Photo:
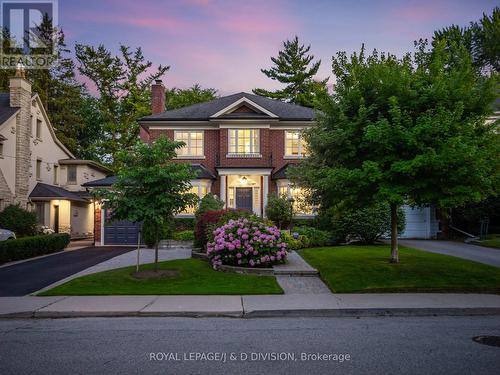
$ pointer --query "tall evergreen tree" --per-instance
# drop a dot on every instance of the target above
(295, 68)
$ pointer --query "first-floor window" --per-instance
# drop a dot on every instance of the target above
(244, 141)
(301, 205)
(40, 212)
(193, 143)
(200, 191)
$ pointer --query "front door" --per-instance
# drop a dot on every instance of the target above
(56, 219)
(244, 198)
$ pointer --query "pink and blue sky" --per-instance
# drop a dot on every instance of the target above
(223, 43)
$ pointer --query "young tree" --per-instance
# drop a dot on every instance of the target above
(150, 187)
(178, 98)
(408, 130)
(293, 69)
(124, 87)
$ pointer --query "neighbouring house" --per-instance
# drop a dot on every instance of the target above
(37, 171)
(241, 145)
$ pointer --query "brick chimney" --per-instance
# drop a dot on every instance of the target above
(20, 97)
(157, 97)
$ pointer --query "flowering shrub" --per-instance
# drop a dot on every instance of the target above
(246, 243)
(46, 230)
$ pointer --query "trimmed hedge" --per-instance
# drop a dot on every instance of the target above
(28, 247)
(185, 235)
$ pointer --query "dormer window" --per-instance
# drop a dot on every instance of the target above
(71, 174)
(193, 143)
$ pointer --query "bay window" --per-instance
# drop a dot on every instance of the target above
(295, 145)
(193, 143)
(301, 206)
(244, 142)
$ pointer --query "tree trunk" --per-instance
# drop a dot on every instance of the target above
(394, 234)
(156, 247)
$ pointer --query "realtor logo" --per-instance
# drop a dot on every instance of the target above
(28, 36)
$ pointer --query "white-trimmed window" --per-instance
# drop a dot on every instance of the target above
(244, 142)
(300, 204)
(200, 189)
(193, 141)
(295, 145)
(71, 176)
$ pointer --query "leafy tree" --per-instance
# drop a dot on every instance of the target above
(479, 38)
(209, 203)
(18, 220)
(278, 210)
(408, 130)
(178, 98)
(150, 187)
(56, 86)
(293, 68)
(124, 87)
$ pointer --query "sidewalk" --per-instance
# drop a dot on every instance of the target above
(334, 305)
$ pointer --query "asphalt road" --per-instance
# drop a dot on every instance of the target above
(413, 345)
(476, 253)
(28, 277)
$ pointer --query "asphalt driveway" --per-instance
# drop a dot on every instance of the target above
(476, 253)
(28, 277)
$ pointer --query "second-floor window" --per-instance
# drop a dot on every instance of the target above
(38, 171)
(56, 174)
(193, 141)
(295, 145)
(39, 128)
(244, 141)
(71, 174)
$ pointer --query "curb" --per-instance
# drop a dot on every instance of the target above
(305, 313)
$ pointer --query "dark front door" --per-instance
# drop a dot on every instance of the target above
(56, 219)
(244, 198)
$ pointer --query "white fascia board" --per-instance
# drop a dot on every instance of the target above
(236, 125)
(246, 171)
(245, 100)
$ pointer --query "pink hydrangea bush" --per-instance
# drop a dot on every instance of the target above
(246, 243)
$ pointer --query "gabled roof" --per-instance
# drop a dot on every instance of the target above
(205, 111)
(280, 174)
(6, 111)
(42, 190)
(202, 173)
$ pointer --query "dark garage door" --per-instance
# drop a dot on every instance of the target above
(120, 232)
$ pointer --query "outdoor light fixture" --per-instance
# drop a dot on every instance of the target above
(244, 180)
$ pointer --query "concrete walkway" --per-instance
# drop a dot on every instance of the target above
(126, 260)
(411, 304)
(486, 255)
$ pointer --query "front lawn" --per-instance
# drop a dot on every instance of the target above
(347, 269)
(493, 240)
(193, 277)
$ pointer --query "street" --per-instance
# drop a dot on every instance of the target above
(388, 345)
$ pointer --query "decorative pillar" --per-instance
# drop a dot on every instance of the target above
(223, 195)
(265, 192)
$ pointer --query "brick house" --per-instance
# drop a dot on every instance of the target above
(245, 141)
(241, 146)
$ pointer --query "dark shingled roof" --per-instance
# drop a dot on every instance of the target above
(49, 191)
(203, 111)
(6, 111)
(280, 174)
(203, 173)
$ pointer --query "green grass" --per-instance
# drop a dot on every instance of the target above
(195, 277)
(493, 240)
(347, 269)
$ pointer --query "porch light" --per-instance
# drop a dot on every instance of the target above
(244, 180)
